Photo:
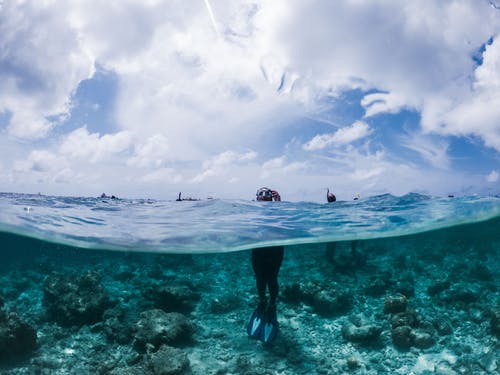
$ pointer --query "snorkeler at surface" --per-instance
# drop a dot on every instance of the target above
(266, 263)
(331, 247)
(330, 197)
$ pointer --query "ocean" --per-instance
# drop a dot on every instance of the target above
(383, 284)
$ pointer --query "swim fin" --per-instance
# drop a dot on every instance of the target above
(256, 323)
(270, 326)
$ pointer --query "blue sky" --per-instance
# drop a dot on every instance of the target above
(218, 98)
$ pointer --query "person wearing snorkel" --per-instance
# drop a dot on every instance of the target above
(266, 263)
(331, 247)
(330, 197)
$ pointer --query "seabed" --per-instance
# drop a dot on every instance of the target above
(419, 304)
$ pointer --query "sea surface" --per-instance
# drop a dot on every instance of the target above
(209, 226)
(383, 284)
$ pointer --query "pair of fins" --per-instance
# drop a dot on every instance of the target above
(263, 324)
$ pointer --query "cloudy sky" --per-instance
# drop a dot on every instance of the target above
(217, 97)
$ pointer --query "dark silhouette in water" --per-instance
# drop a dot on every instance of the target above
(330, 197)
(179, 199)
(331, 247)
(103, 195)
(266, 264)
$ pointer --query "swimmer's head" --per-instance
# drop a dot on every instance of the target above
(330, 197)
(264, 194)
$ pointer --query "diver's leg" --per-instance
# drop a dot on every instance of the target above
(271, 325)
(258, 265)
(275, 258)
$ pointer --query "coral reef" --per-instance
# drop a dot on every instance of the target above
(402, 305)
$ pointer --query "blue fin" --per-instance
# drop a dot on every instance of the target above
(270, 327)
(256, 323)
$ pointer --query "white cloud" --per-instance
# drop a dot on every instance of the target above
(82, 145)
(185, 95)
(41, 161)
(165, 175)
(492, 177)
(475, 111)
(279, 167)
(343, 136)
(28, 124)
(417, 54)
(383, 103)
(82, 158)
(42, 167)
(488, 74)
(367, 174)
(432, 151)
(154, 152)
(171, 76)
(275, 163)
(41, 64)
(222, 164)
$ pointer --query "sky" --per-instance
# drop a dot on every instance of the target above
(216, 98)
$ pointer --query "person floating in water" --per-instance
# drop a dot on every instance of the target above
(266, 263)
(180, 199)
(330, 197)
(331, 247)
(103, 195)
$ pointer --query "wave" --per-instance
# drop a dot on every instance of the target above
(211, 226)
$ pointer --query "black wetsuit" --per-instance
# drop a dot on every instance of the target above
(266, 263)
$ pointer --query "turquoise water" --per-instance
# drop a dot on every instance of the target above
(381, 285)
(220, 225)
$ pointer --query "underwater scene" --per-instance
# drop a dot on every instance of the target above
(381, 285)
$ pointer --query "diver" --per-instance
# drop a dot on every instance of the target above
(266, 263)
